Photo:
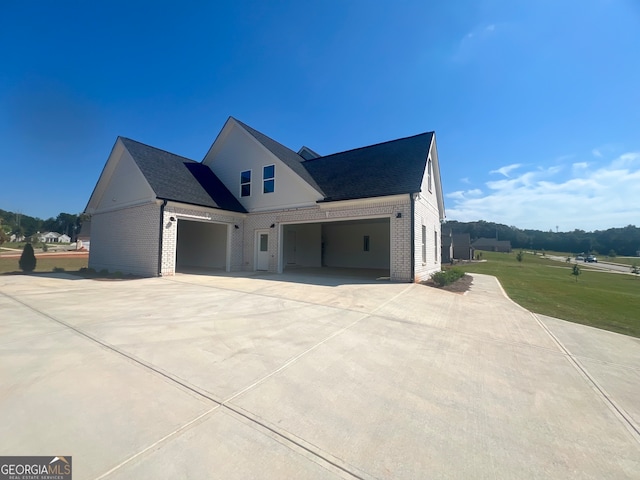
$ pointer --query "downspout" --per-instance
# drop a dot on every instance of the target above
(413, 239)
(164, 203)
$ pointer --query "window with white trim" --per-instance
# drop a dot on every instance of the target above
(245, 183)
(269, 179)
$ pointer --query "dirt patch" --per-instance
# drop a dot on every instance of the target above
(461, 285)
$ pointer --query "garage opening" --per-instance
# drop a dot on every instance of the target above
(201, 246)
(351, 246)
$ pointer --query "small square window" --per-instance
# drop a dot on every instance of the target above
(269, 186)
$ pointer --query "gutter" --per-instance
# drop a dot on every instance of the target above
(413, 239)
(164, 204)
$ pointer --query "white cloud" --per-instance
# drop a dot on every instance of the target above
(596, 153)
(603, 196)
(626, 160)
(506, 169)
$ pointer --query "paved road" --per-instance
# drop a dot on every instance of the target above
(600, 265)
(289, 376)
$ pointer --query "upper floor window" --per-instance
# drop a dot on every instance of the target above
(429, 168)
(269, 179)
(245, 183)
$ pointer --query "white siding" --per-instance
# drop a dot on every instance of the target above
(126, 186)
(236, 151)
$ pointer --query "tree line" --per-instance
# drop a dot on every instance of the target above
(25, 225)
(617, 241)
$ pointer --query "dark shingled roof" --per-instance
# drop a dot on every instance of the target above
(180, 179)
(288, 156)
(389, 168)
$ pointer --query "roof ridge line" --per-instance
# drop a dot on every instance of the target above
(369, 146)
(156, 148)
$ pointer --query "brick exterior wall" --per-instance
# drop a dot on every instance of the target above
(126, 240)
(426, 214)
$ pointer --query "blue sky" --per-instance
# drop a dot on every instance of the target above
(535, 105)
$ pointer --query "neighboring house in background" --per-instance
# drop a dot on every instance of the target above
(456, 246)
(447, 246)
(254, 204)
(16, 238)
(53, 237)
(84, 236)
(462, 249)
(492, 245)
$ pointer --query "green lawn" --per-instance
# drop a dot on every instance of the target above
(604, 300)
(44, 264)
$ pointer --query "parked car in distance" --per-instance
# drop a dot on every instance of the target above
(579, 257)
(591, 259)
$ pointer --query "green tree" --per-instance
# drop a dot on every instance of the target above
(612, 254)
(27, 260)
(576, 271)
(520, 256)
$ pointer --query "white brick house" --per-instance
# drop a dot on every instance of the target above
(253, 204)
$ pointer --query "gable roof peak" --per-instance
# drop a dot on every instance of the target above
(287, 156)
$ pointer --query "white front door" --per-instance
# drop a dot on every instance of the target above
(262, 250)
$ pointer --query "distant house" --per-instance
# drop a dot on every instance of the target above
(49, 237)
(447, 247)
(492, 245)
(53, 237)
(84, 236)
(253, 204)
(456, 246)
(462, 249)
(16, 238)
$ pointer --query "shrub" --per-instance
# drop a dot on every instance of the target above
(447, 277)
(27, 260)
(58, 270)
(104, 272)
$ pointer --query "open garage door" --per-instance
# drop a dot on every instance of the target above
(351, 244)
(201, 246)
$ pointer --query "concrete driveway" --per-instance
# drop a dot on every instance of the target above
(277, 377)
